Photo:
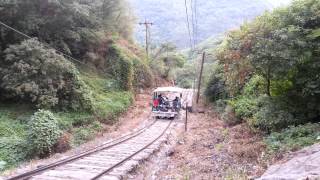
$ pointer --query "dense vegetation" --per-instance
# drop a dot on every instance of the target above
(29, 73)
(167, 61)
(75, 98)
(268, 75)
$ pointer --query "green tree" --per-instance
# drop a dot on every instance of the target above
(34, 74)
(282, 47)
(166, 60)
(276, 49)
(74, 26)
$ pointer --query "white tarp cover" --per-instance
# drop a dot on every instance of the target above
(169, 89)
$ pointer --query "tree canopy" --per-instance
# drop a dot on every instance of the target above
(73, 26)
(282, 47)
(96, 33)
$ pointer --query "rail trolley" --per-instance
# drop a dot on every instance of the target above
(166, 102)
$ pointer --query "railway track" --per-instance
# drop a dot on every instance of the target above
(102, 162)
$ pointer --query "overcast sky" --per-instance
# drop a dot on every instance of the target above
(280, 2)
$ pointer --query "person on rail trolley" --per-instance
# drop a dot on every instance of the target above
(176, 103)
(156, 103)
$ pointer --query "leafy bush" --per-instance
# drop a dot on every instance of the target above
(185, 76)
(108, 103)
(34, 74)
(158, 67)
(255, 87)
(220, 105)
(112, 104)
(229, 116)
(11, 127)
(216, 88)
(43, 132)
(264, 113)
(68, 120)
(14, 147)
(13, 150)
(273, 115)
(143, 76)
(165, 65)
(293, 138)
(85, 133)
(96, 126)
(245, 107)
(82, 135)
(120, 67)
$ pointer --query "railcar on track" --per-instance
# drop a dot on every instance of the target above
(166, 102)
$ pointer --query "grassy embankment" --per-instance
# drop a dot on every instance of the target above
(81, 126)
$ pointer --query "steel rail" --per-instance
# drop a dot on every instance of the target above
(132, 155)
(83, 154)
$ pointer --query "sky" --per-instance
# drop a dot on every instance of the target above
(279, 2)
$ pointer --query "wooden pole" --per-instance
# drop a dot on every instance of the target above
(186, 121)
(200, 76)
(146, 24)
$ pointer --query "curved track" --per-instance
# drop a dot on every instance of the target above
(97, 163)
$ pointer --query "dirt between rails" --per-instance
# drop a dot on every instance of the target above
(136, 117)
(209, 150)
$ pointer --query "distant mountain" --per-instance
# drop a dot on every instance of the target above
(214, 17)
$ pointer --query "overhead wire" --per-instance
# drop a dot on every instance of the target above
(195, 38)
(188, 23)
(196, 20)
(44, 44)
(190, 38)
(149, 41)
(193, 23)
(48, 46)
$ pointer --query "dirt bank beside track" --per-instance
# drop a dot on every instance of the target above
(209, 150)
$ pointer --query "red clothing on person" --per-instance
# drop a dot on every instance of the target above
(156, 103)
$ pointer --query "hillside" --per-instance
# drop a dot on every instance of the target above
(214, 17)
(267, 78)
(73, 72)
(73, 78)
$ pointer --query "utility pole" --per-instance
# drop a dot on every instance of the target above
(147, 26)
(200, 76)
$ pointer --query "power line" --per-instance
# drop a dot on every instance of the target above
(29, 37)
(189, 31)
(196, 20)
(150, 40)
(17, 31)
(193, 24)
(46, 45)
(188, 23)
(194, 36)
